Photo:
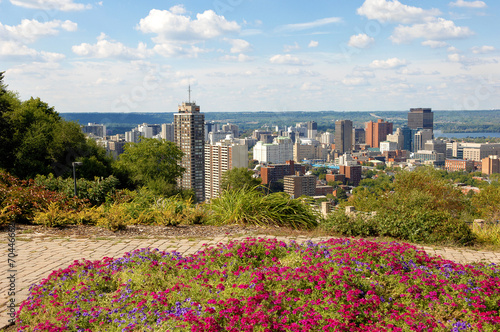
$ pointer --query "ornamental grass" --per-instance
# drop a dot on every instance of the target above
(268, 285)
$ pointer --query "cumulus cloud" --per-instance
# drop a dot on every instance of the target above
(172, 26)
(28, 31)
(239, 58)
(313, 43)
(483, 49)
(105, 48)
(434, 43)
(16, 51)
(437, 29)
(289, 48)
(361, 41)
(239, 45)
(468, 4)
(388, 64)
(355, 81)
(309, 25)
(395, 12)
(468, 61)
(308, 86)
(174, 31)
(287, 59)
(62, 5)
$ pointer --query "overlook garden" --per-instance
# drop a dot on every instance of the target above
(365, 278)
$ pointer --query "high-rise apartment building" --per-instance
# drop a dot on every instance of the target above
(377, 132)
(421, 118)
(312, 129)
(343, 135)
(167, 131)
(189, 135)
(300, 185)
(490, 165)
(98, 130)
(220, 158)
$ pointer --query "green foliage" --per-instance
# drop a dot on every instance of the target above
(95, 191)
(54, 216)
(152, 163)
(20, 200)
(237, 178)
(362, 225)
(243, 206)
(487, 203)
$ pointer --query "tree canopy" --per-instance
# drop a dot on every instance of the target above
(238, 178)
(152, 163)
(35, 139)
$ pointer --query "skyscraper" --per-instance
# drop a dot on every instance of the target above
(421, 118)
(343, 135)
(312, 129)
(189, 135)
(377, 132)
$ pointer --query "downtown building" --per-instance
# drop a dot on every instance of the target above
(421, 118)
(343, 136)
(189, 136)
(220, 158)
(376, 132)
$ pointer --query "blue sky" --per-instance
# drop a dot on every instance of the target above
(253, 55)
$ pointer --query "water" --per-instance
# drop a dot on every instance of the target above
(438, 133)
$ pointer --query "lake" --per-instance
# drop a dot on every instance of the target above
(438, 133)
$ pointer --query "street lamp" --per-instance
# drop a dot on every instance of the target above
(75, 163)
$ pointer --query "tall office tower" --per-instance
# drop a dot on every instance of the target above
(407, 138)
(312, 129)
(220, 158)
(232, 128)
(421, 118)
(189, 135)
(167, 132)
(377, 132)
(419, 139)
(358, 136)
(343, 135)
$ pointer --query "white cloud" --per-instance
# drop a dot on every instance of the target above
(63, 5)
(31, 30)
(388, 64)
(239, 45)
(177, 9)
(361, 41)
(483, 49)
(309, 25)
(355, 81)
(105, 48)
(289, 48)
(453, 49)
(170, 26)
(434, 43)
(174, 30)
(287, 59)
(437, 29)
(15, 51)
(468, 4)
(308, 86)
(467, 61)
(313, 43)
(395, 12)
(239, 58)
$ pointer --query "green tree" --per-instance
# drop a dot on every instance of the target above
(152, 163)
(239, 177)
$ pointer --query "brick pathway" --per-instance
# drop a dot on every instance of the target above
(38, 257)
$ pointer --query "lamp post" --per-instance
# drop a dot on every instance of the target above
(76, 163)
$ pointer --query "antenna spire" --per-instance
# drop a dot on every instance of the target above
(189, 91)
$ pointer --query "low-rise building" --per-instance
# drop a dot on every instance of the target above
(300, 185)
(458, 165)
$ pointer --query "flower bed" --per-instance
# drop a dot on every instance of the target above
(267, 285)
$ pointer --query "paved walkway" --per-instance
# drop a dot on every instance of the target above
(39, 257)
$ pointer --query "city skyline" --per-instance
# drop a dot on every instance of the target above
(251, 55)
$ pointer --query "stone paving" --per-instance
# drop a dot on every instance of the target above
(38, 257)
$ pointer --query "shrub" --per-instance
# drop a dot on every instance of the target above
(20, 200)
(245, 206)
(340, 223)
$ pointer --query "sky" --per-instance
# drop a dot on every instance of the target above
(252, 55)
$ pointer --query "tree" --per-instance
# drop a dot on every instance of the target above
(152, 163)
(239, 177)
